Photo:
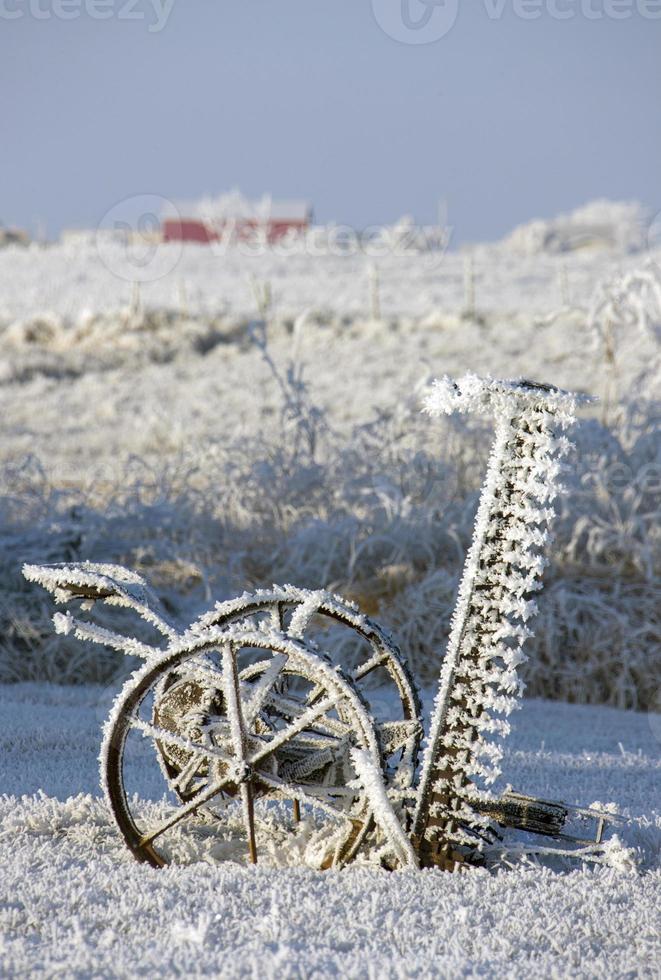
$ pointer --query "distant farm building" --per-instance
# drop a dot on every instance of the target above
(232, 217)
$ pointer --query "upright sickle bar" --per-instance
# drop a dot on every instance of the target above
(503, 566)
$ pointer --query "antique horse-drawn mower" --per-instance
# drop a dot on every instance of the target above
(284, 727)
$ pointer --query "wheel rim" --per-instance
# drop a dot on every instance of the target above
(279, 766)
(362, 649)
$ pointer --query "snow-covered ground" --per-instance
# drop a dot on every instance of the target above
(74, 903)
(202, 281)
(80, 362)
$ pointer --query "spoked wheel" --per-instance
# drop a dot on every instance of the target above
(356, 644)
(239, 750)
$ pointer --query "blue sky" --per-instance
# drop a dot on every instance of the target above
(504, 118)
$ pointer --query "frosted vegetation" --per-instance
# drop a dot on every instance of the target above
(245, 421)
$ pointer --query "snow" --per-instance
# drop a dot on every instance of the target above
(73, 901)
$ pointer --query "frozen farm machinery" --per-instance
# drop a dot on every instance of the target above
(284, 727)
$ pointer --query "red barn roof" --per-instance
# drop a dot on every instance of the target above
(210, 218)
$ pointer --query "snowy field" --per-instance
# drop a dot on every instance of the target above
(247, 420)
(216, 440)
(74, 903)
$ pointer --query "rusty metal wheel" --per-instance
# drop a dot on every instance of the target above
(243, 754)
(355, 643)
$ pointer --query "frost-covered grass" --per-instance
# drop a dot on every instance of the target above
(175, 441)
(73, 901)
(212, 280)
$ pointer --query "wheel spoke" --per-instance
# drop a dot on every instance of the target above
(260, 692)
(163, 735)
(277, 616)
(378, 660)
(199, 668)
(335, 728)
(314, 694)
(203, 796)
(185, 776)
(238, 732)
(248, 803)
(301, 723)
(286, 705)
(327, 795)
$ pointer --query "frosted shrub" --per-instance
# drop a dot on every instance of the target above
(383, 515)
(624, 311)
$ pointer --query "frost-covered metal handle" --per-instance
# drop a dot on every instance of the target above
(102, 582)
(472, 393)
